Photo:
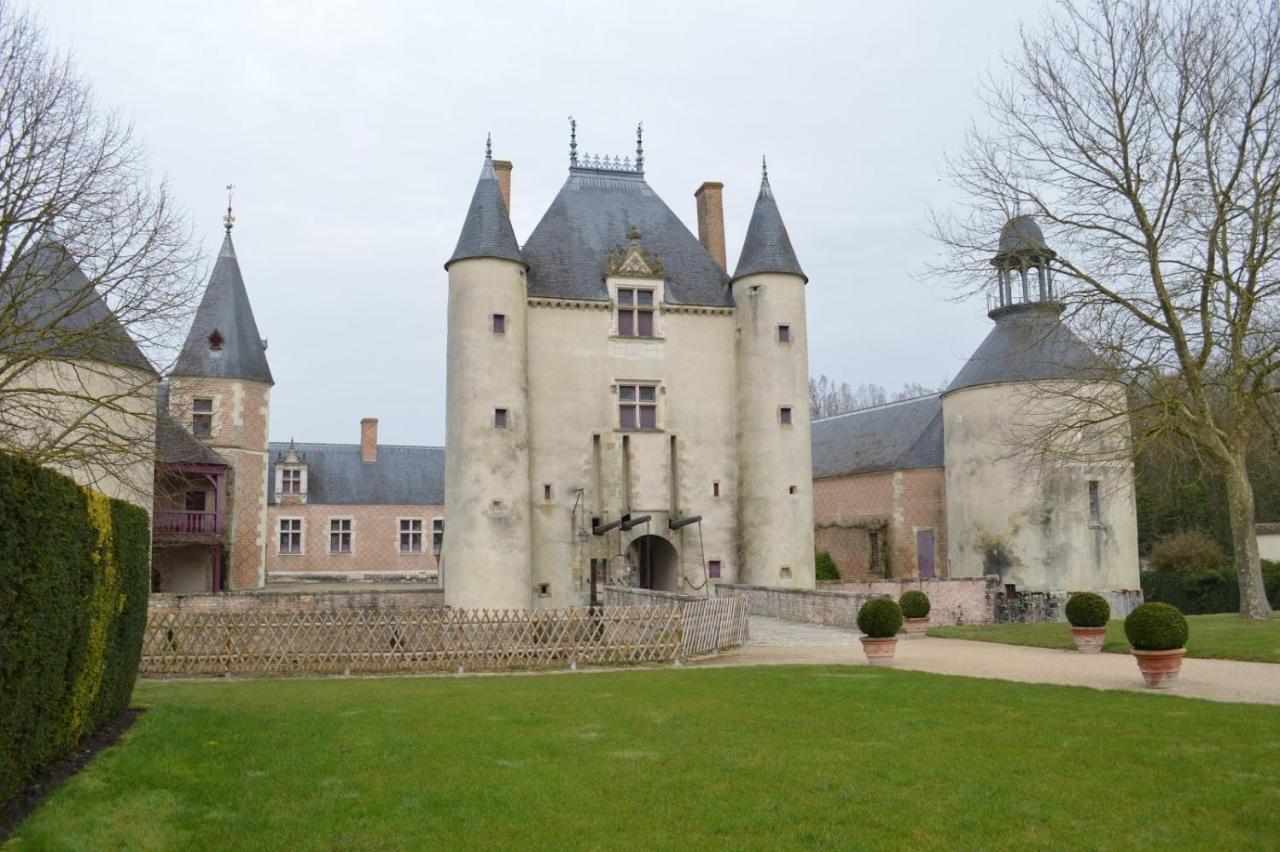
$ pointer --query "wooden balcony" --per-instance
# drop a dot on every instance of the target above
(180, 525)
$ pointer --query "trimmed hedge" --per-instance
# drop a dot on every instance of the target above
(825, 567)
(1156, 627)
(1085, 609)
(915, 604)
(74, 579)
(1201, 592)
(880, 618)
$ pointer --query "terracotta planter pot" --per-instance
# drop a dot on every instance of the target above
(1089, 639)
(916, 627)
(1160, 668)
(879, 651)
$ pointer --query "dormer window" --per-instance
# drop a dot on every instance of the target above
(291, 480)
(215, 341)
(291, 476)
(635, 312)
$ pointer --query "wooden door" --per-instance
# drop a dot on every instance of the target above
(924, 553)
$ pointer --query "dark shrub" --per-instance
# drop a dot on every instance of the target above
(1186, 551)
(824, 567)
(915, 604)
(74, 575)
(1206, 591)
(1088, 610)
(1156, 627)
(880, 618)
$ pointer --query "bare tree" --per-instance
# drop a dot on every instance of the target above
(1144, 136)
(95, 261)
(828, 398)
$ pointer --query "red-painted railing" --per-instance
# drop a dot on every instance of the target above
(171, 522)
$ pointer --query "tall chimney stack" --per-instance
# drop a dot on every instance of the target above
(369, 439)
(502, 170)
(711, 220)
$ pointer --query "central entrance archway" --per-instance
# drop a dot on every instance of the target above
(657, 566)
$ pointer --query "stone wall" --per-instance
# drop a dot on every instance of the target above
(1035, 607)
(630, 596)
(837, 604)
(295, 601)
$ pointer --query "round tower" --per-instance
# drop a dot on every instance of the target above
(486, 558)
(775, 485)
(1039, 483)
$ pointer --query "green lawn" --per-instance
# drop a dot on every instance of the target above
(1225, 636)
(693, 758)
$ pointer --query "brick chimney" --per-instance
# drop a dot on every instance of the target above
(369, 439)
(711, 219)
(502, 170)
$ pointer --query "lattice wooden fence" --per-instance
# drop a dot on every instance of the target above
(433, 638)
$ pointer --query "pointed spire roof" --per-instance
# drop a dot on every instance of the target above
(57, 312)
(224, 342)
(487, 232)
(767, 247)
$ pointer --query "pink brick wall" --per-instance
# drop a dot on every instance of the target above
(898, 503)
(375, 545)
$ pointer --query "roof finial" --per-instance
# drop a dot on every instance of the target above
(488, 146)
(573, 141)
(764, 168)
(640, 147)
(229, 220)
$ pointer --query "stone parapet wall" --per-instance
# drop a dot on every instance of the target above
(1035, 607)
(631, 596)
(837, 604)
(296, 601)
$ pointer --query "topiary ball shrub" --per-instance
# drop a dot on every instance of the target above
(880, 618)
(1088, 610)
(915, 604)
(825, 567)
(1156, 627)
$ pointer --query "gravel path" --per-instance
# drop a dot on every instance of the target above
(777, 642)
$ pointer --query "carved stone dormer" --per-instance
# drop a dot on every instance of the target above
(633, 261)
(291, 476)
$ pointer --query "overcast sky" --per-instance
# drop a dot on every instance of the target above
(354, 133)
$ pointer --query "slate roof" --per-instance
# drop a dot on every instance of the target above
(57, 312)
(225, 308)
(1030, 343)
(337, 475)
(767, 247)
(899, 436)
(487, 231)
(1022, 234)
(568, 250)
(174, 444)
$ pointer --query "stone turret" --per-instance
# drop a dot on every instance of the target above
(1056, 521)
(486, 560)
(775, 486)
(220, 390)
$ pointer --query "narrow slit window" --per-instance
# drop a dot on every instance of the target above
(499, 324)
(784, 415)
(873, 551)
(713, 569)
(715, 489)
(546, 492)
(499, 418)
(437, 535)
(784, 334)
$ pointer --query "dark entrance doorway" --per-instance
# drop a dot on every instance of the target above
(656, 564)
(924, 553)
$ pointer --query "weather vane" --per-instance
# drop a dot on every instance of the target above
(229, 220)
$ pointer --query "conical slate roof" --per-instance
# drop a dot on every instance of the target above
(1030, 343)
(57, 312)
(592, 214)
(225, 309)
(767, 247)
(487, 232)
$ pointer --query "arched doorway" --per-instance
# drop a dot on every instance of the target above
(656, 563)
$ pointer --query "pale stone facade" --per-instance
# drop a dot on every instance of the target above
(635, 416)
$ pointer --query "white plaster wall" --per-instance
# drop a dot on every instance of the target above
(1028, 521)
(776, 524)
(1269, 547)
(575, 364)
(49, 397)
(186, 569)
(486, 544)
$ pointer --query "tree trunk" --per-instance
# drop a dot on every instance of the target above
(1253, 595)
